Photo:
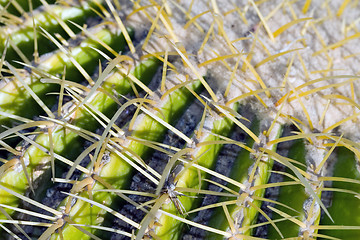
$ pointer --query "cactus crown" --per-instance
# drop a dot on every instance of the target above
(179, 119)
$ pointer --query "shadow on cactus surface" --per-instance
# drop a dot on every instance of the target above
(179, 119)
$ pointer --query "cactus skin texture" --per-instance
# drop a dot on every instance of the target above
(99, 138)
(23, 36)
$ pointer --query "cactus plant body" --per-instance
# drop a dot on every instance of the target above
(173, 119)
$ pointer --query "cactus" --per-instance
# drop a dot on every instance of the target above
(179, 119)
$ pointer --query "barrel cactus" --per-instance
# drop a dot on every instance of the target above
(179, 119)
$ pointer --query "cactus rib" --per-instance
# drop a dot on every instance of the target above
(14, 98)
(23, 37)
(190, 178)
